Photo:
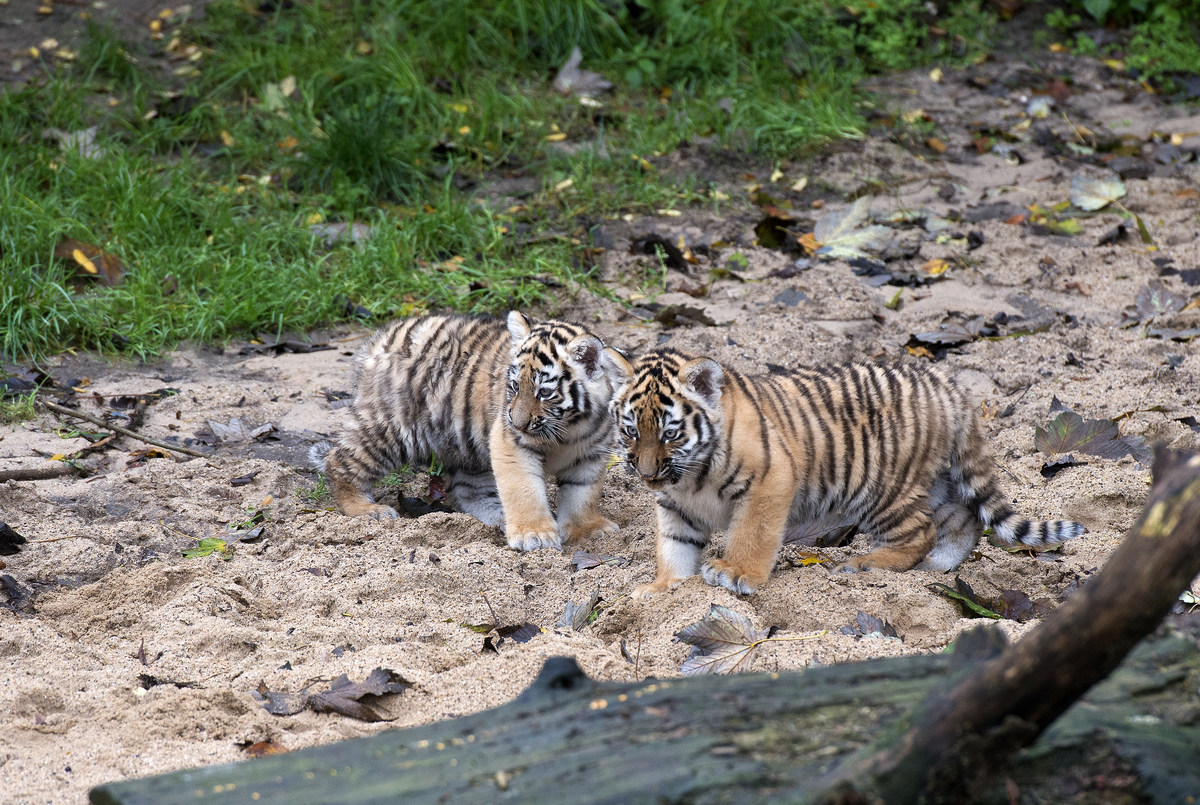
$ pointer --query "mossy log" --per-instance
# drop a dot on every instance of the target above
(934, 728)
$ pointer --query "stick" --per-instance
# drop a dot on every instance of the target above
(57, 469)
(1004, 703)
(58, 409)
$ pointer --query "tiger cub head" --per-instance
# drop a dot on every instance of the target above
(560, 376)
(668, 414)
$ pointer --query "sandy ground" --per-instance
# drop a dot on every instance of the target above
(111, 598)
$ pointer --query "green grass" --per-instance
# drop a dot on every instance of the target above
(18, 409)
(210, 174)
(1164, 36)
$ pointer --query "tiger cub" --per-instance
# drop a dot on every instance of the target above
(501, 410)
(896, 448)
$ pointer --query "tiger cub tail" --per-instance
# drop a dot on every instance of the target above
(979, 493)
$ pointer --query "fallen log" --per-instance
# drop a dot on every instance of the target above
(898, 730)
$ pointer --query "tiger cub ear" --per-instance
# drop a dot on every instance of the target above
(703, 378)
(518, 327)
(587, 351)
(616, 366)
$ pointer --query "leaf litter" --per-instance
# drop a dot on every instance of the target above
(352, 699)
(725, 641)
(1069, 432)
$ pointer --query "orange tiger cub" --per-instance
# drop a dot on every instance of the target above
(502, 407)
(898, 449)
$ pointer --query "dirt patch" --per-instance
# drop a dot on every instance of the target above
(317, 594)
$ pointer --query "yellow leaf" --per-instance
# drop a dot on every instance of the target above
(800, 184)
(48, 44)
(287, 86)
(461, 108)
(1115, 64)
(464, 129)
(935, 75)
(557, 137)
(1058, 47)
(267, 501)
(669, 213)
(563, 185)
(83, 261)
(156, 25)
(935, 267)
(776, 175)
(919, 352)
(364, 48)
(226, 138)
(58, 457)
(936, 145)
(314, 218)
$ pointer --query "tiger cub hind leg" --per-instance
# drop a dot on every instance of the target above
(475, 493)
(351, 476)
(906, 532)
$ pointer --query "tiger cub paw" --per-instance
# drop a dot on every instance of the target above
(377, 511)
(654, 588)
(720, 573)
(592, 527)
(535, 536)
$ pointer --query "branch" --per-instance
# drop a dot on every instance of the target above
(62, 411)
(1003, 704)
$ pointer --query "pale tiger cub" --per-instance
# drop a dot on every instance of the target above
(896, 448)
(502, 408)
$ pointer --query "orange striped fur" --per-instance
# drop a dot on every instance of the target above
(896, 448)
(503, 407)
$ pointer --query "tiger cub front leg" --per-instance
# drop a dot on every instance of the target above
(521, 482)
(677, 549)
(579, 501)
(755, 535)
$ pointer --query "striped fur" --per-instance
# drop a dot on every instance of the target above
(501, 407)
(895, 448)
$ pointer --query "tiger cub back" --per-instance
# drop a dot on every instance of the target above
(898, 449)
(501, 405)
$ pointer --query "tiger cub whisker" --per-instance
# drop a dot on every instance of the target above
(896, 449)
(503, 405)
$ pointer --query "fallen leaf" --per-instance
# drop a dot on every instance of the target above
(10, 540)
(577, 616)
(655, 244)
(584, 560)
(953, 333)
(1069, 432)
(1094, 194)
(839, 234)
(209, 546)
(238, 431)
(93, 261)
(1155, 299)
(721, 642)
(571, 80)
(354, 699)
(869, 626)
(965, 596)
(265, 748)
(82, 141)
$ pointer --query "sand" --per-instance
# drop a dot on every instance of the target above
(320, 594)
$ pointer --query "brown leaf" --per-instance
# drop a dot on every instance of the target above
(92, 261)
(264, 748)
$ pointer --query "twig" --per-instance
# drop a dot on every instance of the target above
(56, 470)
(57, 539)
(62, 411)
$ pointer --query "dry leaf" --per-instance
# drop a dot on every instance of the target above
(94, 262)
